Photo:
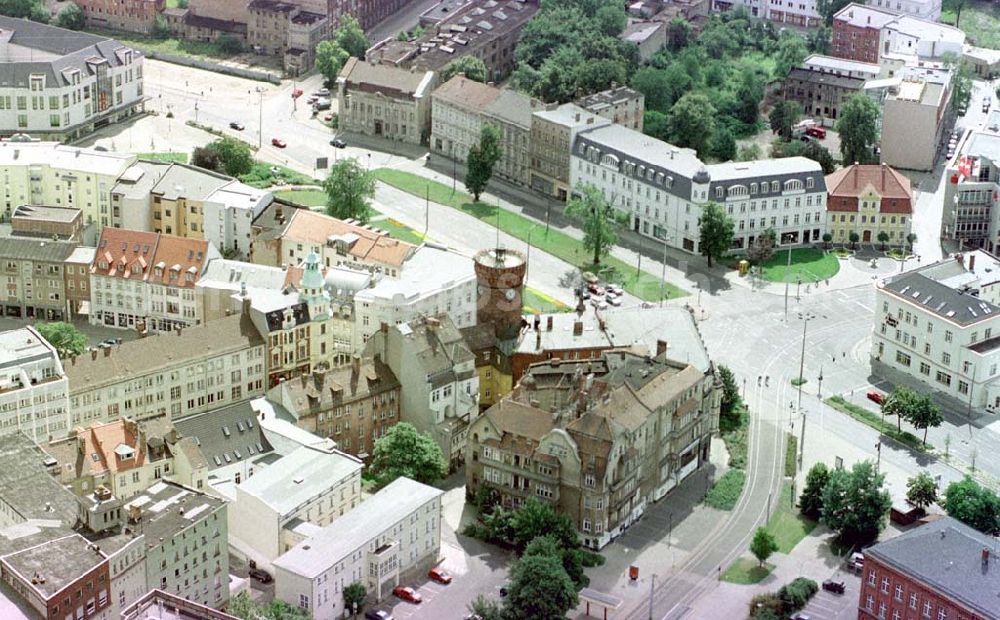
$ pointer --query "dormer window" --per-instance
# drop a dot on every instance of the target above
(136, 268)
(103, 264)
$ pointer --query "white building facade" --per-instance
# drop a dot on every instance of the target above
(663, 189)
(391, 534)
(938, 327)
(34, 391)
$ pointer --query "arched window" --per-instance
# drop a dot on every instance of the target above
(793, 185)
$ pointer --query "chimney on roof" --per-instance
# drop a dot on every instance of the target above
(661, 347)
(986, 556)
(972, 261)
(107, 351)
(577, 328)
(356, 363)
(578, 117)
(548, 323)
(538, 321)
(93, 354)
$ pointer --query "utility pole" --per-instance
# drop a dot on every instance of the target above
(427, 208)
(786, 281)
(819, 391)
(802, 439)
(663, 273)
(802, 358)
(652, 585)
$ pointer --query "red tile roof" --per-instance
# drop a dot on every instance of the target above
(100, 442)
(846, 185)
(150, 257)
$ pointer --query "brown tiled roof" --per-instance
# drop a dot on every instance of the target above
(138, 357)
(466, 94)
(510, 416)
(315, 228)
(135, 255)
(312, 393)
(393, 81)
(846, 185)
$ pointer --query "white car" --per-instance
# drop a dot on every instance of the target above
(615, 300)
(599, 303)
(614, 288)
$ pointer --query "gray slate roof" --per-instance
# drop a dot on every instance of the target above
(946, 555)
(209, 432)
(941, 300)
(43, 250)
(34, 48)
(27, 486)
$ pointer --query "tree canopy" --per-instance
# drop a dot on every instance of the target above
(234, 156)
(330, 59)
(858, 129)
(691, 122)
(715, 230)
(349, 190)
(763, 545)
(473, 68)
(600, 220)
(405, 451)
(856, 503)
(482, 158)
(974, 505)
(540, 589)
(350, 37)
(242, 606)
(71, 17)
(811, 500)
(921, 490)
(66, 338)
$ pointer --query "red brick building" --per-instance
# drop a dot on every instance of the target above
(857, 32)
(123, 15)
(944, 570)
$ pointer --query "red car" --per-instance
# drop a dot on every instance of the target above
(407, 594)
(439, 576)
(278, 142)
(816, 132)
(296, 93)
(876, 397)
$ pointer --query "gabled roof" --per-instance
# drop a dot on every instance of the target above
(466, 94)
(391, 81)
(321, 391)
(42, 250)
(300, 477)
(150, 257)
(226, 435)
(306, 226)
(853, 181)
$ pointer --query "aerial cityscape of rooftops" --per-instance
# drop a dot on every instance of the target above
(500, 309)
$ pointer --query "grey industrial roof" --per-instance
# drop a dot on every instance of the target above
(300, 476)
(40, 212)
(233, 274)
(33, 48)
(167, 508)
(572, 115)
(825, 78)
(27, 486)
(36, 249)
(137, 181)
(137, 357)
(57, 562)
(225, 435)
(946, 555)
(437, 350)
(190, 182)
(354, 530)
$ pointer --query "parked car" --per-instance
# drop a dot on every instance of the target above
(236, 126)
(614, 300)
(986, 103)
(296, 93)
(377, 614)
(337, 143)
(407, 594)
(329, 117)
(599, 303)
(832, 585)
(876, 397)
(322, 104)
(439, 575)
(107, 344)
(323, 92)
(278, 142)
(614, 288)
(801, 616)
(261, 576)
(816, 132)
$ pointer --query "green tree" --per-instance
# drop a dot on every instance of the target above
(856, 503)
(811, 500)
(853, 237)
(351, 38)
(64, 337)
(536, 518)
(330, 59)
(795, 594)
(481, 160)
(762, 249)
(749, 93)
(766, 606)
(610, 19)
(827, 238)
(974, 505)
(925, 414)
(900, 402)
(235, 155)
(598, 74)
(655, 124)
(791, 52)
(486, 609)
(749, 152)
(473, 68)
(600, 220)
(858, 129)
(828, 8)
(678, 34)
(548, 545)
(883, 238)
(540, 589)
(954, 6)
(161, 28)
(349, 190)
(228, 44)
(763, 545)
(405, 451)
(784, 115)
(961, 81)
(242, 606)
(207, 158)
(921, 490)
(723, 144)
(715, 232)
(820, 40)
(354, 596)
(691, 122)
(911, 239)
(730, 406)
(71, 17)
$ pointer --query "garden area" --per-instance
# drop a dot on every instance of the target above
(978, 19)
(807, 265)
(169, 157)
(559, 244)
(537, 301)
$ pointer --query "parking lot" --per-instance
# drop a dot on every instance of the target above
(829, 606)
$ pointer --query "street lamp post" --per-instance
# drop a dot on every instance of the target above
(819, 390)
(663, 273)
(652, 586)
(260, 117)
(802, 359)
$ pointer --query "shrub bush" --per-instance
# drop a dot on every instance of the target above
(796, 594)
(766, 606)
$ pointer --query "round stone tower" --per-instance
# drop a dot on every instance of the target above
(500, 274)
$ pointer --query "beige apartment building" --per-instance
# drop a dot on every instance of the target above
(601, 439)
(914, 117)
(180, 374)
(553, 132)
(619, 104)
(34, 286)
(462, 107)
(384, 101)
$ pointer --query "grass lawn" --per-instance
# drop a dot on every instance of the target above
(313, 198)
(167, 46)
(736, 439)
(787, 524)
(791, 454)
(980, 21)
(537, 301)
(174, 156)
(747, 571)
(557, 243)
(875, 421)
(809, 264)
(262, 177)
(727, 490)
(398, 230)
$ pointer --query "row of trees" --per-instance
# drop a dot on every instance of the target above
(854, 503)
(331, 54)
(917, 409)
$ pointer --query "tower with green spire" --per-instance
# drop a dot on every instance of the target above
(311, 289)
